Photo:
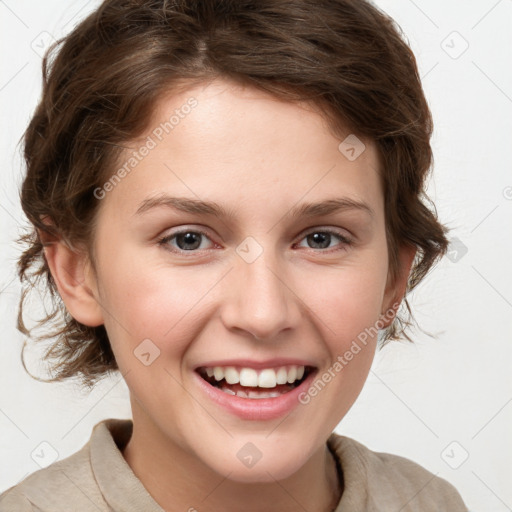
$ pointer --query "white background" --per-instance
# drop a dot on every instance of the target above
(435, 401)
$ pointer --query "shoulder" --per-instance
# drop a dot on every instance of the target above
(49, 488)
(52, 489)
(13, 500)
(378, 478)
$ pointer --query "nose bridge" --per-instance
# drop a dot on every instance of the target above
(259, 301)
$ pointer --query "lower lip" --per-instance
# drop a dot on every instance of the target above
(256, 409)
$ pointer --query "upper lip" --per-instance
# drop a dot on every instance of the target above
(257, 365)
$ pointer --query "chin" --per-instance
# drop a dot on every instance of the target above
(266, 469)
(264, 474)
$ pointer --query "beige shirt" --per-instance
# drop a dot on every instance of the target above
(98, 479)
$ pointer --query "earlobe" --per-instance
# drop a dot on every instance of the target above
(395, 292)
(75, 281)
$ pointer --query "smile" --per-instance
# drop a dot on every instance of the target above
(257, 394)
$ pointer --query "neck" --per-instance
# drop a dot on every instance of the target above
(166, 474)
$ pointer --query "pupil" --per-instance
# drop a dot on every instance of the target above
(188, 238)
(320, 238)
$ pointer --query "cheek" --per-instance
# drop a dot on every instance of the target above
(347, 299)
(152, 300)
(144, 302)
(347, 306)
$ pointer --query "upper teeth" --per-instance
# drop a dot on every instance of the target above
(266, 378)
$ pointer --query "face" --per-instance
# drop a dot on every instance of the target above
(246, 285)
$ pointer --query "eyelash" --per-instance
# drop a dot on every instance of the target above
(345, 241)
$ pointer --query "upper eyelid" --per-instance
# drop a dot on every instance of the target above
(336, 231)
(320, 229)
(344, 238)
(305, 232)
(170, 236)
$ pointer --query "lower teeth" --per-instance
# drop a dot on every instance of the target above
(252, 394)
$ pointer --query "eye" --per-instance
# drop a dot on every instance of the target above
(186, 240)
(321, 239)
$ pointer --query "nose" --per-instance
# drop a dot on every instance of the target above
(259, 300)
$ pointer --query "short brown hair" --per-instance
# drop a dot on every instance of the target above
(102, 81)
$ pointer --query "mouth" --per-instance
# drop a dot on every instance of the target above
(249, 383)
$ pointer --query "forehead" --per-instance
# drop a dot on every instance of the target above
(233, 144)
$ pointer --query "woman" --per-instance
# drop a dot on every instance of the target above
(227, 199)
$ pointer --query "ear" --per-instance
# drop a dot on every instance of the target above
(395, 291)
(75, 280)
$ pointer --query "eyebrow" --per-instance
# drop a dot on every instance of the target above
(189, 205)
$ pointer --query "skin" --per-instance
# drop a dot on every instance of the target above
(258, 157)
